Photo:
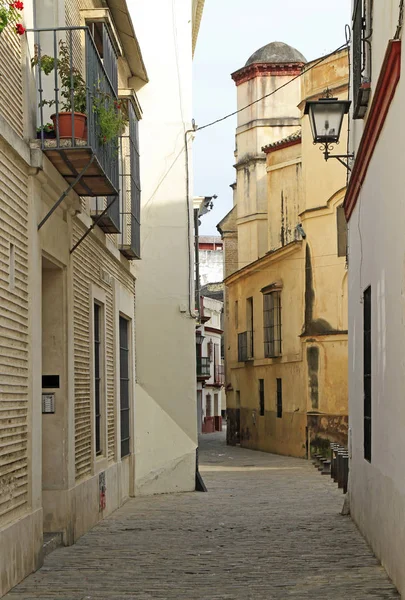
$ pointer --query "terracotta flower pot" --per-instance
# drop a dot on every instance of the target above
(65, 125)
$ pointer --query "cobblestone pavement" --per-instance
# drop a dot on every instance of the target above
(268, 528)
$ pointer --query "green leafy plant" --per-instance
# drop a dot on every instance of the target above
(10, 14)
(47, 128)
(73, 91)
(110, 116)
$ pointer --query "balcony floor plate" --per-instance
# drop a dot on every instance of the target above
(70, 161)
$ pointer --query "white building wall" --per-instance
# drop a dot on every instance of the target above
(212, 308)
(376, 259)
(166, 423)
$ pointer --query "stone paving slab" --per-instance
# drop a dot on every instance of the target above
(268, 528)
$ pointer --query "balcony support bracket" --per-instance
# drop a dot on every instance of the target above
(101, 215)
(65, 193)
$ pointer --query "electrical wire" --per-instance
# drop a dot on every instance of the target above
(303, 72)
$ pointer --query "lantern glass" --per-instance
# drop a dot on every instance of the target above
(326, 118)
(199, 338)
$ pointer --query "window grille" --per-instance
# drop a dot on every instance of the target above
(361, 49)
(279, 398)
(272, 324)
(261, 397)
(97, 376)
(124, 387)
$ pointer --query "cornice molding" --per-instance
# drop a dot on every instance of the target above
(265, 260)
(266, 70)
(384, 94)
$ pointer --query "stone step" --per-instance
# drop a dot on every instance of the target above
(51, 542)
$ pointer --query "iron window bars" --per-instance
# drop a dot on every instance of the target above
(272, 324)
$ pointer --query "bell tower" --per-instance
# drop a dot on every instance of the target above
(262, 122)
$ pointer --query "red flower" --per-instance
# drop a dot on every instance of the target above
(20, 29)
(18, 5)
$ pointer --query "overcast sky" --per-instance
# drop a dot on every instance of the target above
(231, 30)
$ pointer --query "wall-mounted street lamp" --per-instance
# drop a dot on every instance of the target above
(326, 118)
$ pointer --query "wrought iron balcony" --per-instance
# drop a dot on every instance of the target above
(130, 189)
(203, 367)
(219, 375)
(245, 346)
(76, 88)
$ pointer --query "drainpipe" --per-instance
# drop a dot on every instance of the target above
(197, 263)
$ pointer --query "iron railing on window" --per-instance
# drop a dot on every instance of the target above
(245, 346)
(272, 324)
(357, 45)
(203, 366)
(130, 189)
(84, 83)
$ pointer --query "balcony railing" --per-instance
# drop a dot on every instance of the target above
(203, 367)
(245, 346)
(72, 82)
(130, 189)
(106, 212)
(219, 375)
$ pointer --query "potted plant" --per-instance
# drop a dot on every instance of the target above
(49, 131)
(10, 14)
(73, 94)
(111, 117)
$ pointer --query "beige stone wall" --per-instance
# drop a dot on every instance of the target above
(301, 188)
(89, 261)
(49, 475)
(14, 342)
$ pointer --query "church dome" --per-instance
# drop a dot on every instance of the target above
(276, 52)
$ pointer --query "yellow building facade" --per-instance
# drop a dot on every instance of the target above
(286, 304)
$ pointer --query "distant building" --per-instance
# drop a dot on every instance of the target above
(285, 264)
(211, 259)
(210, 369)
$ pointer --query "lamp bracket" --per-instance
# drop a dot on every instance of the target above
(342, 158)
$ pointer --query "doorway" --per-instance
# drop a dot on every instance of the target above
(54, 394)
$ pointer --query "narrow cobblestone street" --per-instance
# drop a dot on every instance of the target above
(269, 527)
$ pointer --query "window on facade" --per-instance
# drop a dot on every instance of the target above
(261, 397)
(279, 398)
(237, 398)
(249, 326)
(208, 408)
(341, 231)
(124, 387)
(12, 268)
(272, 324)
(367, 372)
(216, 405)
(98, 365)
(361, 44)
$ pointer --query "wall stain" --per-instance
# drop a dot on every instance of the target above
(313, 326)
(282, 232)
(313, 375)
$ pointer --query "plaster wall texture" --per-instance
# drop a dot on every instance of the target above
(211, 266)
(166, 423)
(265, 122)
(376, 247)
